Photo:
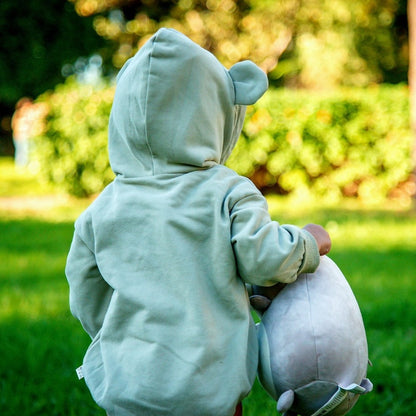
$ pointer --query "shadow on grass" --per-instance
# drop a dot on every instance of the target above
(37, 370)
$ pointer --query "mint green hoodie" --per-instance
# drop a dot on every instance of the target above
(159, 261)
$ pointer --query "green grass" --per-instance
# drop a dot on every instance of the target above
(19, 181)
(41, 344)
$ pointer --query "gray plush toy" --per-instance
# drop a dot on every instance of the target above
(313, 347)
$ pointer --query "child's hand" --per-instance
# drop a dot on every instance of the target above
(321, 236)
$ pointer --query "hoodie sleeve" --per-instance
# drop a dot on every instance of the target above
(89, 293)
(266, 252)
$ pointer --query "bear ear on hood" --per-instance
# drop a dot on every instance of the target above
(250, 82)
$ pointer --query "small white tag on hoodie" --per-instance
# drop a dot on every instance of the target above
(79, 373)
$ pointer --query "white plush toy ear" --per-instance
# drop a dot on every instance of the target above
(367, 385)
(250, 82)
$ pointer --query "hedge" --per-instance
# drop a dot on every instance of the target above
(350, 142)
(72, 152)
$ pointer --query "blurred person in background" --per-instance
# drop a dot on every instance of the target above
(25, 124)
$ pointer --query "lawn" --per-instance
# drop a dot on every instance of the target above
(41, 344)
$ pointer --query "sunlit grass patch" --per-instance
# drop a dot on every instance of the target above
(24, 195)
(19, 181)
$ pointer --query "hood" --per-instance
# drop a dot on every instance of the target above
(177, 108)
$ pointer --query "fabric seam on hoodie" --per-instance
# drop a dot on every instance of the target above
(146, 106)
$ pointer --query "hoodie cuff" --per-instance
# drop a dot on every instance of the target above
(311, 257)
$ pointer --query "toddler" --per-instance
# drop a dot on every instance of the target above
(159, 261)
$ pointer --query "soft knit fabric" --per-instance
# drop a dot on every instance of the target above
(158, 262)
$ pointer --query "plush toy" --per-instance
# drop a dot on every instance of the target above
(313, 349)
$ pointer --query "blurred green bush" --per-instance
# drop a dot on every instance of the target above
(349, 142)
(345, 143)
(72, 151)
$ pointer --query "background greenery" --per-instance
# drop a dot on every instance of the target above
(37, 40)
(72, 153)
(349, 142)
(345, 143)
(41, 344)
(341, 155)
(321, 43)
(313, 44)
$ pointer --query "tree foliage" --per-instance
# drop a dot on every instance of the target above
(37, 39)
(317, 43)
